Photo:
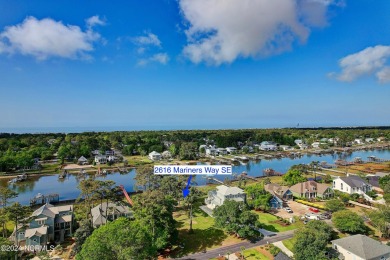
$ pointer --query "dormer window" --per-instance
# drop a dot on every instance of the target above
(40, 222)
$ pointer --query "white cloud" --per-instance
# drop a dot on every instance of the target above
(48, 38)
(148, 39)
(384, 75)
(161, 58)
(220, 31)
(94, 20)
(366, 62)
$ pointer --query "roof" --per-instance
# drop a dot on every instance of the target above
(63, 219)
(51, 211)
(354, 181)
(276, 189)
(82, 159)
(225, 190)
(36, 231)
(362, 246)
(373, 180)
(154, 153)
(382, 174)
(281, 256)
(98, 212)
(303, 187)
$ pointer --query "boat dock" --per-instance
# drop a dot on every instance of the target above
(41, 199)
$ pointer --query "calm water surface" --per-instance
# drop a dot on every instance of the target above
(67, 188)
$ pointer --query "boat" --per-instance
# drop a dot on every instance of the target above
(62, 175)
(38, 196)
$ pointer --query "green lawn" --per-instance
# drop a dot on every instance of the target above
(253, 254)
(267, 220)
(205, 235)
(289, 243)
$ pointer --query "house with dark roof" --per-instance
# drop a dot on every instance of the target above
(312, 189)
(105, 212)
(280, 194)
(281, 256)
(48, 223)
(351, 184)
(360, 247)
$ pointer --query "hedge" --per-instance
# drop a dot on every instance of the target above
(311, 204)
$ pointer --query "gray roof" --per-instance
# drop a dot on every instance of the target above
(225, 190)
(382, 174)
(281, 256)
(354, 181)
(362, 246)
(98, 212)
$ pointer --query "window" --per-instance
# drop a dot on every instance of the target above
(35, 240)
(341, 186)
(334, 184)
(40, 222)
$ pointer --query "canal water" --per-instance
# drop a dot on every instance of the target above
(67, 188)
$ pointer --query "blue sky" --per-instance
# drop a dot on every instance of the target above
(194, 64)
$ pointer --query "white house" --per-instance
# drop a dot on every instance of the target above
(211, 151)
(369, 140)
(166, 155)
(217, 197)
(358, 141)
(315, 145)
(100, 159)
(333, 140)
(301, 144)
(268, 146)
(110, 152)
(381, 139)
(351, 184)
(231, 149)
(360, 247)
(155, 156)
(286, 147)
(222, 151)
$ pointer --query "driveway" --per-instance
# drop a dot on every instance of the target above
(297, 208)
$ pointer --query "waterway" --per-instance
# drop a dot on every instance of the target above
(67, 188)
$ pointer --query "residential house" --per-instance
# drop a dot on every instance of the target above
(222, 151)
(373, 180)
(82, 160)
(231, 150)
(105, 212)
(315, 145)
(281, 256)
(301, 144)
(211, 151)
(268, 146)
(95, 152)
(351, 184)
(217, 197)
(280, 194)
(360, 247)
(48, 224)
(358, 141)
(112, 158)
(166, 155)
(109, 152)
(381, 139)
(333, 140)
(369, 140)
(312, 189)
(100, 159)
(324, 140)
(286, 147)
(155, 156)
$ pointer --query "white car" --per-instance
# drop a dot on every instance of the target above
(288, 210)
(312, 216)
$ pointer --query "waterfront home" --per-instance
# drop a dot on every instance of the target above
(155, 156)
(351, 184)
(280, 194)
(312, 189)
(166, 155)
(373, 180)
(211, 151)
(222, 151)
(301, 144)
(217, 197)
(359, 247)
(48, 224)
(231, 150)
(109, 152)
(268, 146)
(100, 159)
(112, 158)
(358, 141)
(315, 145)
(286, 147)
(369, 140)
(105, 212)
(333, 140)
(82, 160)
(381, 139)
(95, 152)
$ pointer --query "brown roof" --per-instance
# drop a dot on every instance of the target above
(309, 186)
(276, 189)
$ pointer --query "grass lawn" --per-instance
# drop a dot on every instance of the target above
(137, 160)
(289, 243)
(253, 254)
(205, 235)
(267, 220)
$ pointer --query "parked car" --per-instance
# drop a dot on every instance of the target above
(326, 215)
(305, 221)
(288, 210)
(314, 210)
(312, 216)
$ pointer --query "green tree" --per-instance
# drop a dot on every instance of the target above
(348, 221)
(311, 241)
(381, 219)
(190, 201)
(146, 178)
(121, 239)
(188, 151)
(88, 190)
(6, 254)
(293, 176)
(235, 217)
(6, 195)
(19, 215)
(334, 205)
(82, 233)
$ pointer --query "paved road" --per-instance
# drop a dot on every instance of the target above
(236, 247)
